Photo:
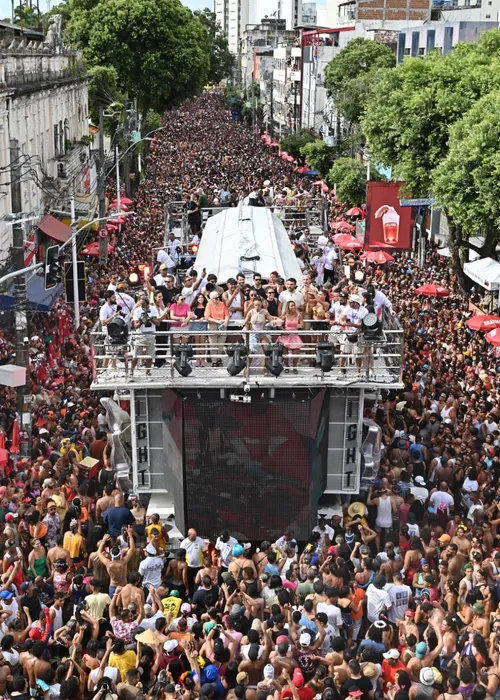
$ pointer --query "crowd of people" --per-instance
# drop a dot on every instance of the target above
(397, 596)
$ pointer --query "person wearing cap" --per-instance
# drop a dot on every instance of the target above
(390, 667)
(377, 598)
(480, 621)
(419, 490)
(150, 568)
(423, 656)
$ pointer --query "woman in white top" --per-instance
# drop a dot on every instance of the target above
(383, 522)
(256, 320)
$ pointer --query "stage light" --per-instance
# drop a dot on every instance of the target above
(371, 326)
(274, 364)
(193, 249)
(133, 278)
(238, 354)
(117, 331)
(325, 356)
(183, 353)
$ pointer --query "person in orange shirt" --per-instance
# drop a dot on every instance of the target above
(356, 596)
(217, 316)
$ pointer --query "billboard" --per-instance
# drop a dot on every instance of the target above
(388, 224)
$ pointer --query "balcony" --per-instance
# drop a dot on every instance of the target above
(372, 363)
(25, 80)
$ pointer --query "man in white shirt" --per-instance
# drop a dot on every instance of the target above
(161, 277)
(113, 282)
(419, 490)
(331, 610)
(377, 598)
(399, 595)
(194, 546)
(330, 265)
(150, 568)
(164, 259)
(144, 321)
(442, 500)
(291, 293)
(108, 313)
(325, 531)
(126, 302)
(224, 547)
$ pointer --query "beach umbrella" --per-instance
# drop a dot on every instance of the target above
(483, 322)
(379, 256)
(93, 249)
(338, 225)
(343, 238)
(353, 244)
(433, 290)
(354, 211)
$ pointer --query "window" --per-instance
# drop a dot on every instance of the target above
(56, 141)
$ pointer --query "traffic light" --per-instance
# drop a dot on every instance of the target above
(68, 281)
(53, 272)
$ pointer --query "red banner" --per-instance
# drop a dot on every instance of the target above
(388, 224)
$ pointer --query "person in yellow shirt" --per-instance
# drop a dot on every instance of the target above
(74, 542)
(157, 533)
(121, 659)
(172, 604)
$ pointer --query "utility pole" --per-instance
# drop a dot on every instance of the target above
(118, 195)
(74, 263)
(20, 301)
(101, 193)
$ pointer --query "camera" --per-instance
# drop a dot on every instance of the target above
(146, 320)
(119, 308)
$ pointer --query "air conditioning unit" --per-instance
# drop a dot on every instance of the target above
(61, 171)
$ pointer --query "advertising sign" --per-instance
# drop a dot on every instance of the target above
(388, 224)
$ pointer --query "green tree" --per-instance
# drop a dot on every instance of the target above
(25, 15)
(412, 108)
(293, 143)
(467, 181)
(319, 156)
(221, 59)
(348, 76)
(349, 177)
(159, 49)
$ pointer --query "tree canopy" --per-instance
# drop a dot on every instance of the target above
(293, 143)
(349, 74)
(221, 59)
(319, 156)
(349, 177)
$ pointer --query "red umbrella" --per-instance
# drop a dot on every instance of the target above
(93, 249)
(123, 206)
(120, 220)
(379, 257)
(126, 200)
(493, 337)
(274, 144)
(14, 448)
(483, 322)
(337, 225)
(111, 227)
(433, 290)
(343, 238)
(353, 244)
(2, 441)
(354, 211)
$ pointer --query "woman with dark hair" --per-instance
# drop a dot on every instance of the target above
(412, 558)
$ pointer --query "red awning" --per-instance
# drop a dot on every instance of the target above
(55, 229)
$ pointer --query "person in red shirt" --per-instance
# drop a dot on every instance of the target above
(305, 692)
(390, 667)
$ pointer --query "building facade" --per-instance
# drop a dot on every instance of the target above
(309, 13)
(233, 17)
(43, 126)
(442, 36)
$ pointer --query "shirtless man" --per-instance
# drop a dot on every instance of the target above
(132, 592)
(106, 501)
(5, 675)
(117, 565)
(423, 656)
(34, 666)
(177, 572)
(480, 622)
(260, 558)
(254, 666)
(58, 552)
(455, 561)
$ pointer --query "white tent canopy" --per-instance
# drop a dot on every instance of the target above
(246, 239)
(486, 272)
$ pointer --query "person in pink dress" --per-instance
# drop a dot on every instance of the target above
(292, 341)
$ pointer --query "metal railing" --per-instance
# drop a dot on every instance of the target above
(377, 361)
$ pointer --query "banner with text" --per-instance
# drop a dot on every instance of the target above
(388, 224)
